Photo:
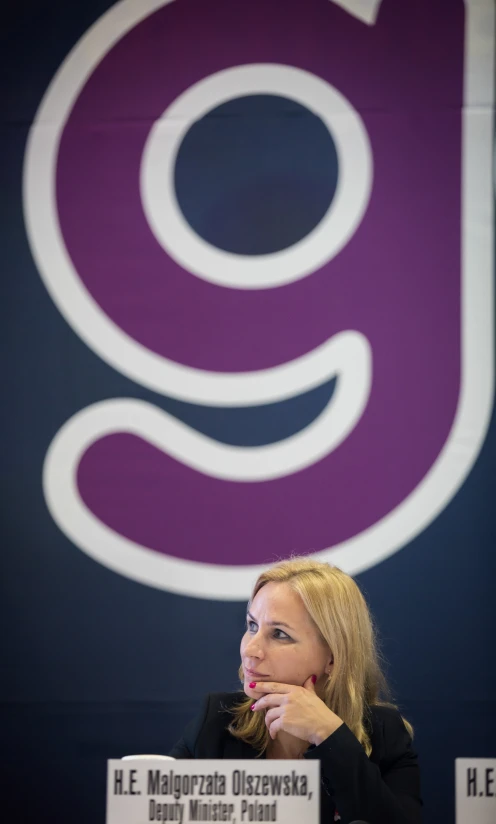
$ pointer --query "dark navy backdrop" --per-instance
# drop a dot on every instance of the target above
(96, 665)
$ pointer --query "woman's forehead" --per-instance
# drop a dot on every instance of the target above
(278, 600)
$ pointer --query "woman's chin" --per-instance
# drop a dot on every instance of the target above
(253, 693)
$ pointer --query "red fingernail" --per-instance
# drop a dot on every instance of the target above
(252, 707)
(252, 685)
(314, 678)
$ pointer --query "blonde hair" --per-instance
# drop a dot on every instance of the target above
(340, 613)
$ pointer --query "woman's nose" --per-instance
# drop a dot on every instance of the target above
(253, 648)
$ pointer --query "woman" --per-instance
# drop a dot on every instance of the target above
(312, 685)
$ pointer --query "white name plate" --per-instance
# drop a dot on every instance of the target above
(237, 792)
(475, 790)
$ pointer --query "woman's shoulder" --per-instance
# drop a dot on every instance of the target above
(389, 735)
(386, 717)
(222, 703)
(383, 713)
(217, 708)
(204, 736)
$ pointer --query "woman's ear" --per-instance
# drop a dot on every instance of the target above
(329, 666)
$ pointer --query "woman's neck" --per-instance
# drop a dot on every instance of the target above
(286, 746)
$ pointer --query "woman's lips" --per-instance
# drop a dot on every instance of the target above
(255, 674)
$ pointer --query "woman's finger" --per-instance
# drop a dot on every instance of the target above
(275, 727)
(268, 701)
(272, 714)
(268, 687)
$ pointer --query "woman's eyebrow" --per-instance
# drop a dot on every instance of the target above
(271, 623)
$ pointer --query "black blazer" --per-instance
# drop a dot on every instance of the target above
(382, 789)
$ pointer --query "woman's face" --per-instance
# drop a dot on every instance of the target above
(281, 642)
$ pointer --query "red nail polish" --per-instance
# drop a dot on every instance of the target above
(314, 679)
(252, 685)
(252, 707)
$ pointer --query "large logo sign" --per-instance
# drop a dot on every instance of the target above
(241, 205)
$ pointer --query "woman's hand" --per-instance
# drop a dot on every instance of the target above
(297, 710)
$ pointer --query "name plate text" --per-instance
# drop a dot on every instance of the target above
(236, 792)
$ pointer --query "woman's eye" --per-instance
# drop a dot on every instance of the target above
(283, 636)
(251, 626)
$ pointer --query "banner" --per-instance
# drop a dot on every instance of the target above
(249, 313)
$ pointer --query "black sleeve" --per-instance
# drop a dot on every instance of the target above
(185, 747)
(362, 790)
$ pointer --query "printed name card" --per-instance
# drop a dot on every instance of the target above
(475, 790)
(237, 792)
